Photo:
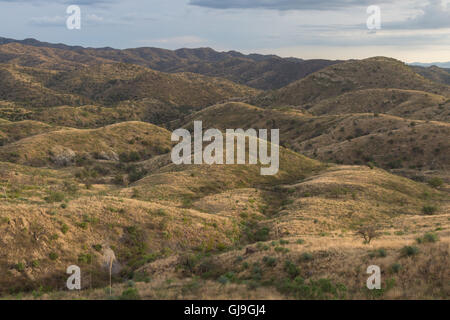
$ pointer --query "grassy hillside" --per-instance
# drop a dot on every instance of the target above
(251, 240)
(375, 139)
(139, 93)
(403, 103)
(21, 85)
(378, 72)
(135, 140)
(86, 175)
(436, 74)
(13, 131)
(112, 83)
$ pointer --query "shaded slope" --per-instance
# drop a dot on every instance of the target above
(254, 70)
(436, 74)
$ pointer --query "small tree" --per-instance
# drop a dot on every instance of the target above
(368, 233)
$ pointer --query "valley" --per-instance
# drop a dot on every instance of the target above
(86, 170)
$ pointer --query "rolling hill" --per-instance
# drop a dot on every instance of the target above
(333, 81)
(64, 147)
(434, 73)
(86, 176)
(355, 138)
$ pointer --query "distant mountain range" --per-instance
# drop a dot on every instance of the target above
(437, 64)
(254, 70)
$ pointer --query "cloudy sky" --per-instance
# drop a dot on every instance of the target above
(411, 30)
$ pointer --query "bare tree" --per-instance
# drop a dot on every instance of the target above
(368, 233)
(37, 231)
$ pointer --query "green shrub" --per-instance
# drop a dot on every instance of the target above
(262, 234)
(306, 256)
(83, 225)
(429, 237)
(54, 196)
(396, 267)
(53, 256)
(409, 251)
(256, 272)
(255, 233)
(226, 278)
(300, 241)
(64, 228)
(291, 269)
(54, 237)
(429, 210)
(141, 276)
(20, 266)
(270, 261)
(223, 280)
(382, 252)
(130, 294)
(435, 182)
(281, 249)
(85, 258)
(378, 253)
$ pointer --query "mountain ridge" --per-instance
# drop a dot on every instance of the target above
(255, 70)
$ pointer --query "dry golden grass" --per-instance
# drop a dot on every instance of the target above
(220, 231)
(118, 138)
(377, 72)
(403, 103)
(13, 131)
(386, 141)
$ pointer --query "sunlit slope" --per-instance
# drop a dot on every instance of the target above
(65, 146)
(378, 72)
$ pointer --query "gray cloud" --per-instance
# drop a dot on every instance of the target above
(434, 16)
(55, 21)
(282, 4)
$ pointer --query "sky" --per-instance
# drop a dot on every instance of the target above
(410, 30)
